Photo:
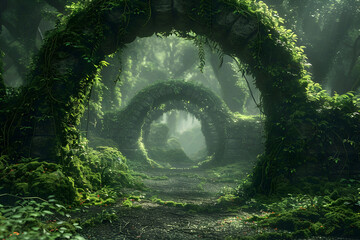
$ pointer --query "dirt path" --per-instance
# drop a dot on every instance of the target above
(149, 219)
(162, 222)
(187, 186)
(152, 214)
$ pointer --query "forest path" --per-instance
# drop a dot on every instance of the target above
(178, 205)
(191, 186)
(158, 213)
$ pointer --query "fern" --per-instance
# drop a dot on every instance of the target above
(199, 42)
(216, 48)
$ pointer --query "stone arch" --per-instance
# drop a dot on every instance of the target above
(126, 126)
(208, 127)
(63, 72)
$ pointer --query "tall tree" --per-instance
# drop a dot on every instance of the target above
(329, 29)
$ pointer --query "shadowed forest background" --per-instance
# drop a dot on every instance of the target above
(206, 119)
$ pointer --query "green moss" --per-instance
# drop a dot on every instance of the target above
(104, 216)
(228, 200)
(38, 179)
(88, 171)
(305, 216)
(105, 166)
(168, 203)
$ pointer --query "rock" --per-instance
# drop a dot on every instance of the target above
(162, 15)
(241, 31)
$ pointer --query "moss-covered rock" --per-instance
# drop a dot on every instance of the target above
(93, 169)
(82, 174)
(87, 171)
(175, 157)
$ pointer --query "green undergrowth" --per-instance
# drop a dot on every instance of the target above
(108, 214)
(132, 200)
(168, 203)
(226, 203)
(36, 178)
(229, 173)
(328, 209)
(86, 178)
(105, 216)
(104, 196)
(325, 217)
(35, 218)
(80, 178)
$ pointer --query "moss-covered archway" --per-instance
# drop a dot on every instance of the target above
(125, 127)
(208, 127)
(72, 54)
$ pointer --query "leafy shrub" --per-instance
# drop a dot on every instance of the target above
(38, 178)
(34, 218)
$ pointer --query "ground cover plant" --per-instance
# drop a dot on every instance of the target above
(36, 218)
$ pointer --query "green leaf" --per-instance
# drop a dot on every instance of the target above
(77, 237)
(48, 212)
(34, 214)
(67, 235)
(59, 205)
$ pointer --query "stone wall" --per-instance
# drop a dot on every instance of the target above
(244, 140)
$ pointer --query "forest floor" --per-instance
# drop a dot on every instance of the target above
(176, 204)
